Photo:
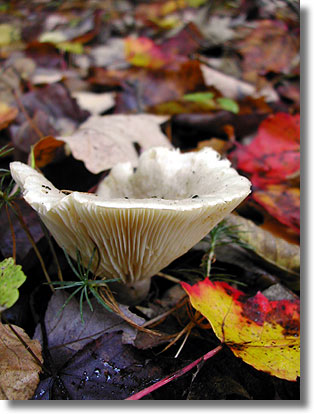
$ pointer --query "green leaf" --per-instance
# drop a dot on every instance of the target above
(200, 97)
(11, 278)
(228, 105)
(72, 47)
(195, 3)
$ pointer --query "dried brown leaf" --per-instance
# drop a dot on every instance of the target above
(18, 369)
(272, 249)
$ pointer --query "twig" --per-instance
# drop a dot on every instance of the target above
(168, 277)
(19, 215)
(176, 375)
(12, 232)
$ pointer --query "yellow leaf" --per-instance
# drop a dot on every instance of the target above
(265, 334)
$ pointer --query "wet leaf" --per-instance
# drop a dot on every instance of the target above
(18, 369)
(11, 278)
(65, 340)
(265, 334)
(104, 369)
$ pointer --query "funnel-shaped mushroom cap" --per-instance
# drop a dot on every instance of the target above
(139, 221)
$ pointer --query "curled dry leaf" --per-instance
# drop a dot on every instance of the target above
(102, 142)
(18, 368)
(274, 250)
(264, 333)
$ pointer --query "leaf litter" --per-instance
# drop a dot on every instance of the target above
(96, 79)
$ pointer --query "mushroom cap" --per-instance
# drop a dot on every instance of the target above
(139, 221)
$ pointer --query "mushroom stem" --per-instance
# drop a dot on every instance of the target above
(130, 293)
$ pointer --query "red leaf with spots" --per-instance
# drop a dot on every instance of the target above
(264, 333)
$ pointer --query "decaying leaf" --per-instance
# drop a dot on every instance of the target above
(18, 368)
(265, 334)
(11, 278)
(261, 46)
(274, 250)
(143, 88)
(104, 369)
(66, 339)
(102, 142)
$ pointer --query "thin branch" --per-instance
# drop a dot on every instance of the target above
(176, 375)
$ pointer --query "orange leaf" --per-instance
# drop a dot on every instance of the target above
(47, 150)
(265, 334)
(7, 114)
(145, 53)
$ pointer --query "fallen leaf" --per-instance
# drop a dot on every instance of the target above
(282, 202)
(52, 110)
(11, 278)
(111, 54)
(65, 340)
(265, 334)
(104, 369)
(19, 372)
(229, 86)
(24, 251)
(7, 115)
(274, 250)
(144, 52)
(275, 151)
(47, 150)
(272, 158)
(95, 103)
(260, 50)
(9, 34)
(103, 141)
(144, 88)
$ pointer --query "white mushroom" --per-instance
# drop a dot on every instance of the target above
(140, 221)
